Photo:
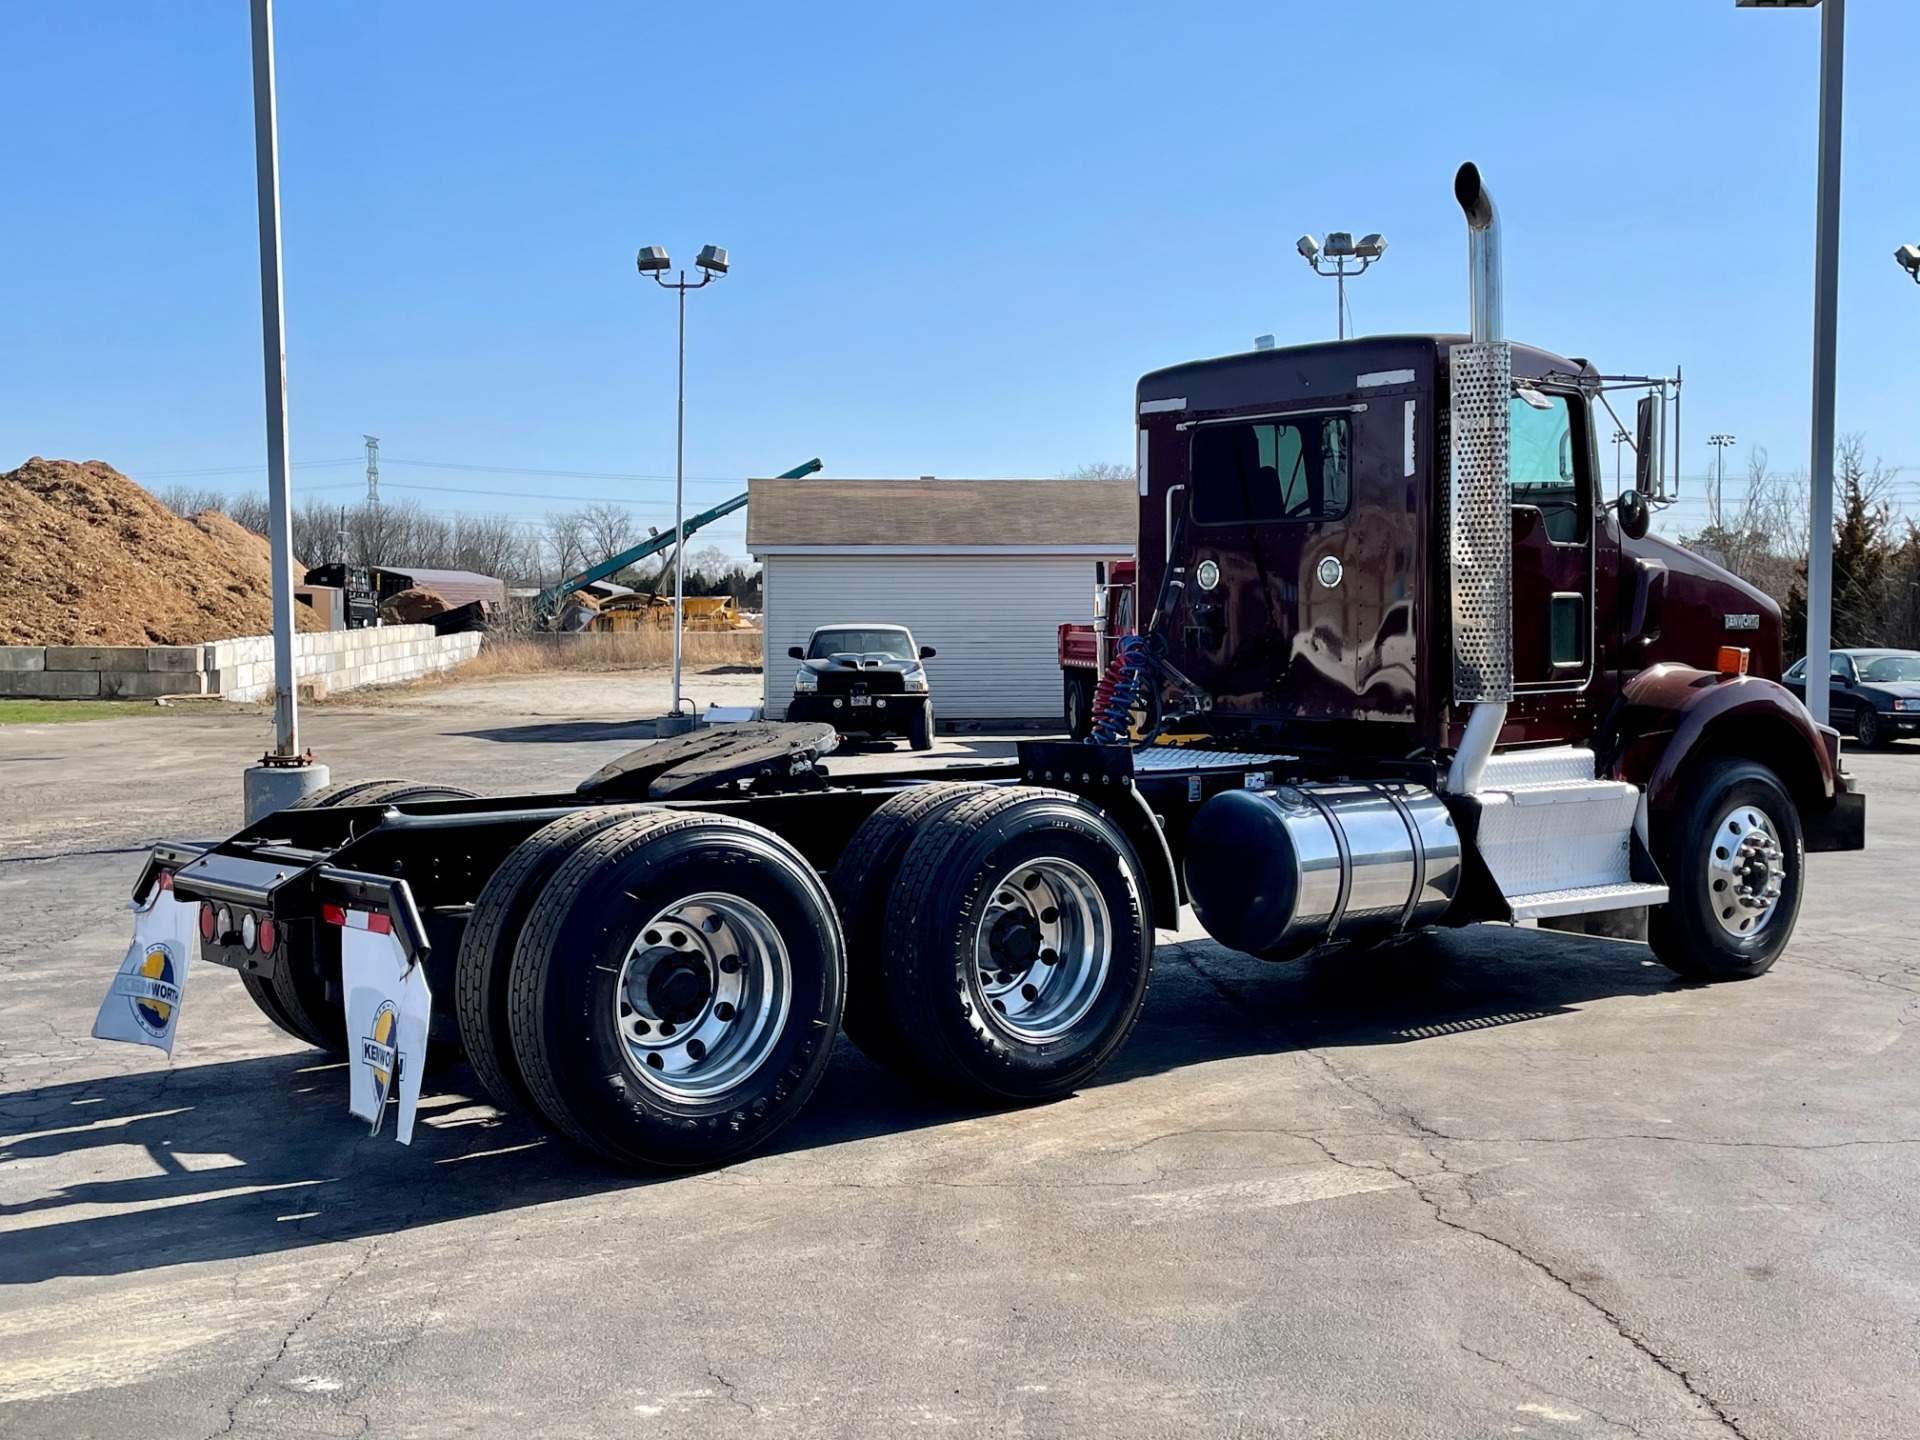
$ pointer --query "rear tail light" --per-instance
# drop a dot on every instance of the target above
(206, 920)
(223, 925)
(269, 936)
(249, 931)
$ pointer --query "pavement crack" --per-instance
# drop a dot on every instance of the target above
(730, 1391)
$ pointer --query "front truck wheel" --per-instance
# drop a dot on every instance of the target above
(1076, 702)
(1733, 857)
(296, 996)
(920, 728)
(676, 989)
(1017, 945)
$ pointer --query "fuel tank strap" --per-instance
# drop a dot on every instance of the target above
(1419, 885)
(1346, 860)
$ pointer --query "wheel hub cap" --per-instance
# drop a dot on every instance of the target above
(1746, 869)
(1042, 950)
(702, 996)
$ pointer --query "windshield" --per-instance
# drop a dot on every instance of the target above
(1883, 668)
(897, 643)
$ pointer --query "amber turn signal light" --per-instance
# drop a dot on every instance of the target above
(1733, 659)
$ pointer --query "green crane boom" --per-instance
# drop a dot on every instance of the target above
(548, 601)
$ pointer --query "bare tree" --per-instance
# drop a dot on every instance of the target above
(1100, 470)
(610, 528)
(566, 542)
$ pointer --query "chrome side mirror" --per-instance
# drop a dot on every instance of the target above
(1635, 517)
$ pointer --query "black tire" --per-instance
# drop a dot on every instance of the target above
(1077, 703)
(861, 883)
(482, 976)
(920, 728)
(297, 997)
(953, 878)
(1686, 933)
(373, 792)
(1867, 728)
(564, 1003)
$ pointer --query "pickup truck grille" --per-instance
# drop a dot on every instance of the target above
(848, 681)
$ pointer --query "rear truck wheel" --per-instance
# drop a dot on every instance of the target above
(1868, 730)
(1077, 703)
(860, 884)
(482, 974)
(1733, 857)
(676, 989)
(920, 728)
(296, 996)
(1017, 946)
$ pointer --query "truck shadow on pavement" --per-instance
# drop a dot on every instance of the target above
(256, 1156)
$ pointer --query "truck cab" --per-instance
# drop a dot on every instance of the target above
(1298, 497)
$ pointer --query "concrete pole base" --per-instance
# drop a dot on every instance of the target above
(268, 788)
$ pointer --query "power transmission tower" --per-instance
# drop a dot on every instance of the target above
(373, 469)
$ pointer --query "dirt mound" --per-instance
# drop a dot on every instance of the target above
(87, 557)
(414, 607)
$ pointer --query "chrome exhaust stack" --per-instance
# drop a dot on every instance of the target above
(1479, 499)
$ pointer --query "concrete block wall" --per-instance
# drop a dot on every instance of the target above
(239, 670)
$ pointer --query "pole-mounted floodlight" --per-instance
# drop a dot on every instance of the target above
(1909, 258)
(1826, 336)
(1720, 444)
(1340, 248)
(712, 263)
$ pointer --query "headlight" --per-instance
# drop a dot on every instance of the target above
(805, 683)
(916, 682)
(1906, 704)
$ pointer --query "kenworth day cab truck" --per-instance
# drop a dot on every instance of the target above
(1419, 674)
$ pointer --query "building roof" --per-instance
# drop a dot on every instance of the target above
(1094, 516)
(456, 587)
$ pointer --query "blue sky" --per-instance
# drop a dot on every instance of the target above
(959, 232)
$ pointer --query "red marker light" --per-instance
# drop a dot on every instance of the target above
(206, 920)
(269, 936)
(333, 915)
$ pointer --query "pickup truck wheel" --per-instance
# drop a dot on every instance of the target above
(483, 970)
(1017, 945)
(676, 990)
(920, 728)
(861, 883)
(1077, 703)
(1733, 855)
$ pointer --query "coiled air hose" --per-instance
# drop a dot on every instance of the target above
(1122, 690)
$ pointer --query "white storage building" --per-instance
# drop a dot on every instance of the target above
(985, 571)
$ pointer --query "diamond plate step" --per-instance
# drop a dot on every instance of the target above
(1585, 900)
(1529, 769)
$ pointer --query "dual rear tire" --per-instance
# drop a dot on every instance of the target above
(663, 988)
(1001, 940)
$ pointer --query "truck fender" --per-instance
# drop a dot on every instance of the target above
(1670, 715)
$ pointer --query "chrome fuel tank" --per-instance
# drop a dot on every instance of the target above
(1278, 872)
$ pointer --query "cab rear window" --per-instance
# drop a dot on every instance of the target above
(1258, 471)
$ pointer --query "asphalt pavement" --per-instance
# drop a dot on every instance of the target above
(1494, 1182)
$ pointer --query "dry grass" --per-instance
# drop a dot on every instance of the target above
(628, 650)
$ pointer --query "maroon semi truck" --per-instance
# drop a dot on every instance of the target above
(1416, 670)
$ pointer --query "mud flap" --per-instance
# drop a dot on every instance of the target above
(143, 1003)
(388, 1007)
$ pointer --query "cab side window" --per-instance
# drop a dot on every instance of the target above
(1257, 472)
(1544, 469)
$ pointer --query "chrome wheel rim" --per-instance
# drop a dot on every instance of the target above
(703, 995)
(1042, 950)
(1746, 870)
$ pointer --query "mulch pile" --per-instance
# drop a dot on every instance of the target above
(87, 557)
(414, 607)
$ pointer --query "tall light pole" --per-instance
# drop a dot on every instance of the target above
(1826, 294)
(712, 264)
(1340, 248)
(1720, 444)
(284, 774)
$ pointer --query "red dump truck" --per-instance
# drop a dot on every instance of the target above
(1419, 671)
